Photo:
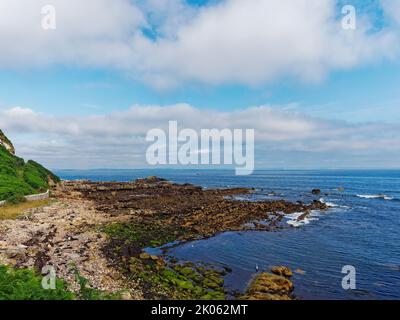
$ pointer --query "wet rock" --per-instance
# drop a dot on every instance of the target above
(145, 256)
(267, 286)
(266, 296)
(282, 271)
(303, 216)
(300, 271)
(316, 191)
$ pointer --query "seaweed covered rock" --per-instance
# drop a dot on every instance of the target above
(267, 286)
(282, 271)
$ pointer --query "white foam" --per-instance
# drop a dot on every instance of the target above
(329, 204)
(294, 218)
(332, 205)
(375, 196)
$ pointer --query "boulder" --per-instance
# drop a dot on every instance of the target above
(316, 191)
(267, 286)
(145, 256)
(282, 271)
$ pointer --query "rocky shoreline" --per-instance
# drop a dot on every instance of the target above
(102, 230)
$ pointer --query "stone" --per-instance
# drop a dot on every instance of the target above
(299, 271)
(126, 295)
(267, 286)
(266, 296)
(282, 271)
(145, 256)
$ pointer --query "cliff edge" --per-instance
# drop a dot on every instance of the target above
(19, 178)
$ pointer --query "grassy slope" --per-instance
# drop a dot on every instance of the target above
(18, 178)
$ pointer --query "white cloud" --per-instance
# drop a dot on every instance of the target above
(392, 9)
(252, 42)
(232, 41)
(90, 32)
(118, 139)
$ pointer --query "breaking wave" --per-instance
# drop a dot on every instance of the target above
(296, 220)
(332, 205)
(375, 196)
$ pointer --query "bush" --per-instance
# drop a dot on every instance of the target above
(25, 284)
(19, 178)
(16, 199)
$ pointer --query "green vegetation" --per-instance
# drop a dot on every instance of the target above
(168, 280)
(159, 278)
(140, 235)
(25, 284)
(18, 178)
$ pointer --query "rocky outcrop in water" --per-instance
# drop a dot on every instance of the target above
(282, 271)
(316, 192)
(267, 286)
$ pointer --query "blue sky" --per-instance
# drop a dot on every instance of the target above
(359, 92)
(343, 83)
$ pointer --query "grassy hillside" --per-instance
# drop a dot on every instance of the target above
(19, 178)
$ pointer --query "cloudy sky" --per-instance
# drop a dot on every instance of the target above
(318, 96)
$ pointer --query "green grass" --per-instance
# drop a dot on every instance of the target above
(25, 284)
(18, 178)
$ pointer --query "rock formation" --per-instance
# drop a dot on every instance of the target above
(6, 143)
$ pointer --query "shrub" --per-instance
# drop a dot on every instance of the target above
(19, 178)
(25, 284)
(16, 199)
